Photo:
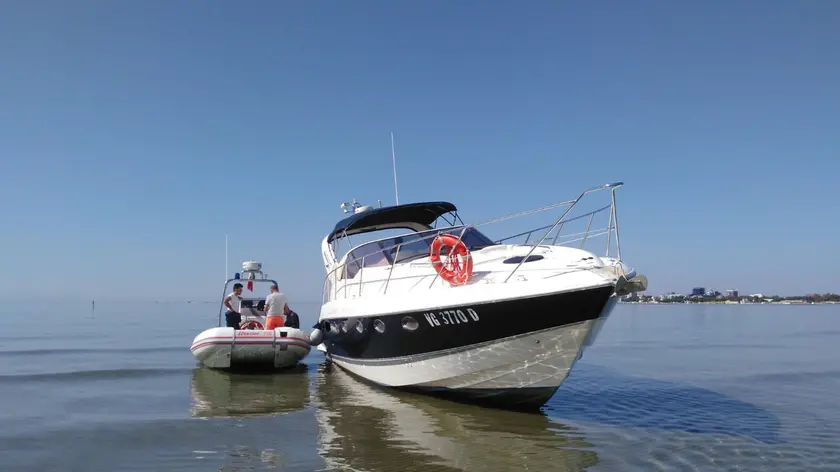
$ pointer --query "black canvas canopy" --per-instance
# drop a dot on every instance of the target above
(400, 216)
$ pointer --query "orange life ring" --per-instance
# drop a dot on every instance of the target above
(251, 325)
(459, 266)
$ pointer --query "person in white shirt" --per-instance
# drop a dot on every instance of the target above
(233, 303)
(276, 305)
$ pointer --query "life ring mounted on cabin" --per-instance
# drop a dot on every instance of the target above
(458, 267)
(252, 324)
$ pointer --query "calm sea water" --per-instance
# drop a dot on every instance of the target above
(691, 387)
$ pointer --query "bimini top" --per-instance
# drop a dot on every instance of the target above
(409, 215)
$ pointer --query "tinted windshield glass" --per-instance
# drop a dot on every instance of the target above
(411, 246)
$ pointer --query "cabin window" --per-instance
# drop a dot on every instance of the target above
(371, 255)
(412, 246)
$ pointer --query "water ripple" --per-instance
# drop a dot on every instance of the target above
(80, 375)
(794, 377)
(600, 395)
(63, 351)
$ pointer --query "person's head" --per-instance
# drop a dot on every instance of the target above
(274, 288)
(237, 289)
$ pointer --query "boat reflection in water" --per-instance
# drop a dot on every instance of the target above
(367, 428)
(218, 394)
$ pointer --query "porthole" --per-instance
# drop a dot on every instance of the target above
(379, 326)
(360, 328)
(350, 325)
(410, 323)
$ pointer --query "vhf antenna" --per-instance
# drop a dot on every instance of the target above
(394, 162)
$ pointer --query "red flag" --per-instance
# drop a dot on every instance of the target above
(250, 286)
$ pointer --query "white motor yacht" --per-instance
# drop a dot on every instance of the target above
(443, 308)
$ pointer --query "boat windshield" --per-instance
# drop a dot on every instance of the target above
(411, 246)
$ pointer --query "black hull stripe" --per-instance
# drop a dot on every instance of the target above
(459, 327)
(433, 355)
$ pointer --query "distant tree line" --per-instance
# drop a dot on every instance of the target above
(810, 298)
(818, 298)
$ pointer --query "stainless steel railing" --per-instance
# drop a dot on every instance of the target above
(331, 281)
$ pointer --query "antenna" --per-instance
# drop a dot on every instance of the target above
(227, 274)
(394, 161)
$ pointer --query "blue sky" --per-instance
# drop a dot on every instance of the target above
(134, 135)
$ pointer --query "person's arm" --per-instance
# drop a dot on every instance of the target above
(227, 303)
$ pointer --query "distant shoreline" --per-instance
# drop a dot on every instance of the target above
(716, 298)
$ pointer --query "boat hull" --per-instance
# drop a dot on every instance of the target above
(509, 353)
(226, 348)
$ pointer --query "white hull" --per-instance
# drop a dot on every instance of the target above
(497, 321)
(222, 348)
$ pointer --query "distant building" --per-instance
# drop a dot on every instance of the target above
(732, 293)
(698, 291)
